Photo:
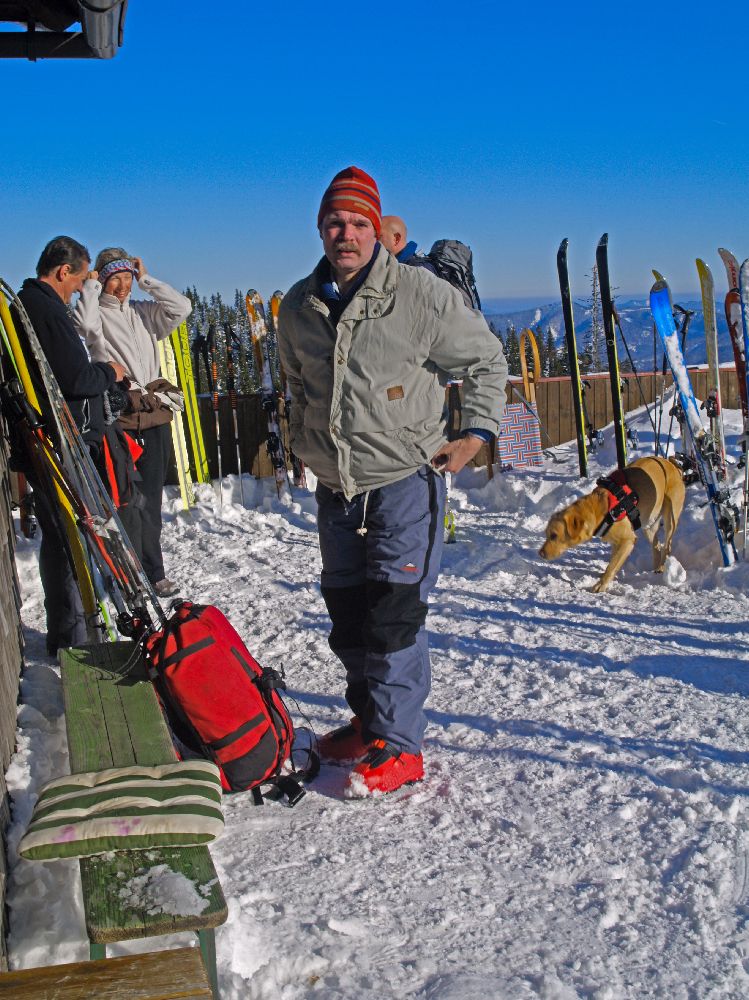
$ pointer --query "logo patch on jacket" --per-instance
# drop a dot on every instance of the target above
(410, 568)
(395, 392)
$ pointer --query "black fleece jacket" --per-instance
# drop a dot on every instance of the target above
(82, 381)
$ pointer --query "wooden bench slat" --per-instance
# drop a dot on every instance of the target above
(162, 975)
(113, 719)
(108, 919)
(117, 717)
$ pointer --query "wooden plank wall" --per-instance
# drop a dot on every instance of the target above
(553, 395)
(11, 646)
(554, 398)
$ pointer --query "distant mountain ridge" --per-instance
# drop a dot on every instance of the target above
(637, 325)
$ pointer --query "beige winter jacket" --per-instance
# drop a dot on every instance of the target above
(368, 395)
(129, 332)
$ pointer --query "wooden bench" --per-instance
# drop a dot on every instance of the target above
(113, 719)
(161, 975)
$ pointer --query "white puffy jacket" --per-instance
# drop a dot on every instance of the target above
(129, 332)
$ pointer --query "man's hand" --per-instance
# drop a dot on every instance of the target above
(119, 370)
(453, 455)
(140, 267)
(92, 276)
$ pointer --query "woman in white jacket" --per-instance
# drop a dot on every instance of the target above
(115, 327)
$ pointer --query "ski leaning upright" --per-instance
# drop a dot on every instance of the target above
(298, 471)
(231, 388)
(735, 328)
(620, 431)
(574, 366)
(212, 350)
(259, 335)
(83, 499)
(712, 403)
(724, 512)
(179, 443)
(181, 345)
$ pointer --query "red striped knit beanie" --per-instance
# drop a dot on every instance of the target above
(352, 190)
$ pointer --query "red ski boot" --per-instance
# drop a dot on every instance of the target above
(383, 770)
(343, 744)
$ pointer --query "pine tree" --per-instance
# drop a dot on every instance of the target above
(512, 350)
(551, 356)
(595, 337)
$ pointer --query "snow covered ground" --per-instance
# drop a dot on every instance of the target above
(583, 828)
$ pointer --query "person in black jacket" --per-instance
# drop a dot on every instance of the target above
(61, 270)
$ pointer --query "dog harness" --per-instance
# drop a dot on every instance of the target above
(623, 502)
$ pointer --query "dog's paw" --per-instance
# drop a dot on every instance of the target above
(599, 588)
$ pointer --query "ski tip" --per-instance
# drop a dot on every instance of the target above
(702, 267)
(659, 286)
(658, 276)
(563, 247)
(604, 240)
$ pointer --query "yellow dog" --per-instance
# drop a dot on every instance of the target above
(659, 488)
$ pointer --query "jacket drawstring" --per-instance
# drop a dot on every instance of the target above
(363, 529)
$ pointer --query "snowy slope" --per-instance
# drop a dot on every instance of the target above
(637, 326)
(583, 828)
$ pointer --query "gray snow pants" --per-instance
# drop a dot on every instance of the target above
(376, 587)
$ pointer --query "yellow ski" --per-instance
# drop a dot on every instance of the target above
(169, 372)
(181, 344)
(70, 521)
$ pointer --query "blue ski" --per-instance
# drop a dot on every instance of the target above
(725, 514)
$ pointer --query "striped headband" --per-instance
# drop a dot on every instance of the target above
(115, 267)
(352, 190)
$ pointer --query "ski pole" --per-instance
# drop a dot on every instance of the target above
(211, 342)
(634, 367)
(232, 390)
(660, 407)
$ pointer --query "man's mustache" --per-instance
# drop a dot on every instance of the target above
(346, 246)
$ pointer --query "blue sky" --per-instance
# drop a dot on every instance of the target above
(205, 145)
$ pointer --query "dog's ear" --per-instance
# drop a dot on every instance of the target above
(575, 525)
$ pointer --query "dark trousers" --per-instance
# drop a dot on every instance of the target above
(376, 587)
(152, 466)
(66, 622)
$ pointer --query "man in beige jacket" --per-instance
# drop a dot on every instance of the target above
(368, 345)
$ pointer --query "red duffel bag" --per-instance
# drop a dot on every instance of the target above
(220, 703)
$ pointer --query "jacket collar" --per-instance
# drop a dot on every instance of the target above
(379, 282)
(112, 302)
(45, 288)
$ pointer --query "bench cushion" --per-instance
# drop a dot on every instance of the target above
(125, 808)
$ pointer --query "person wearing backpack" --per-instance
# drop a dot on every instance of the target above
(367, 346)
(448, 259)
(394, 237)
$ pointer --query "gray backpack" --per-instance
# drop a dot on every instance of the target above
(453, 261)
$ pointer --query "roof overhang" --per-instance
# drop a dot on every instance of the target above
(46, 24)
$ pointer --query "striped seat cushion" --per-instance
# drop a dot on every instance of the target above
(174, 805)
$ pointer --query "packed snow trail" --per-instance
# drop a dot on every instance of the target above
(583, 828)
